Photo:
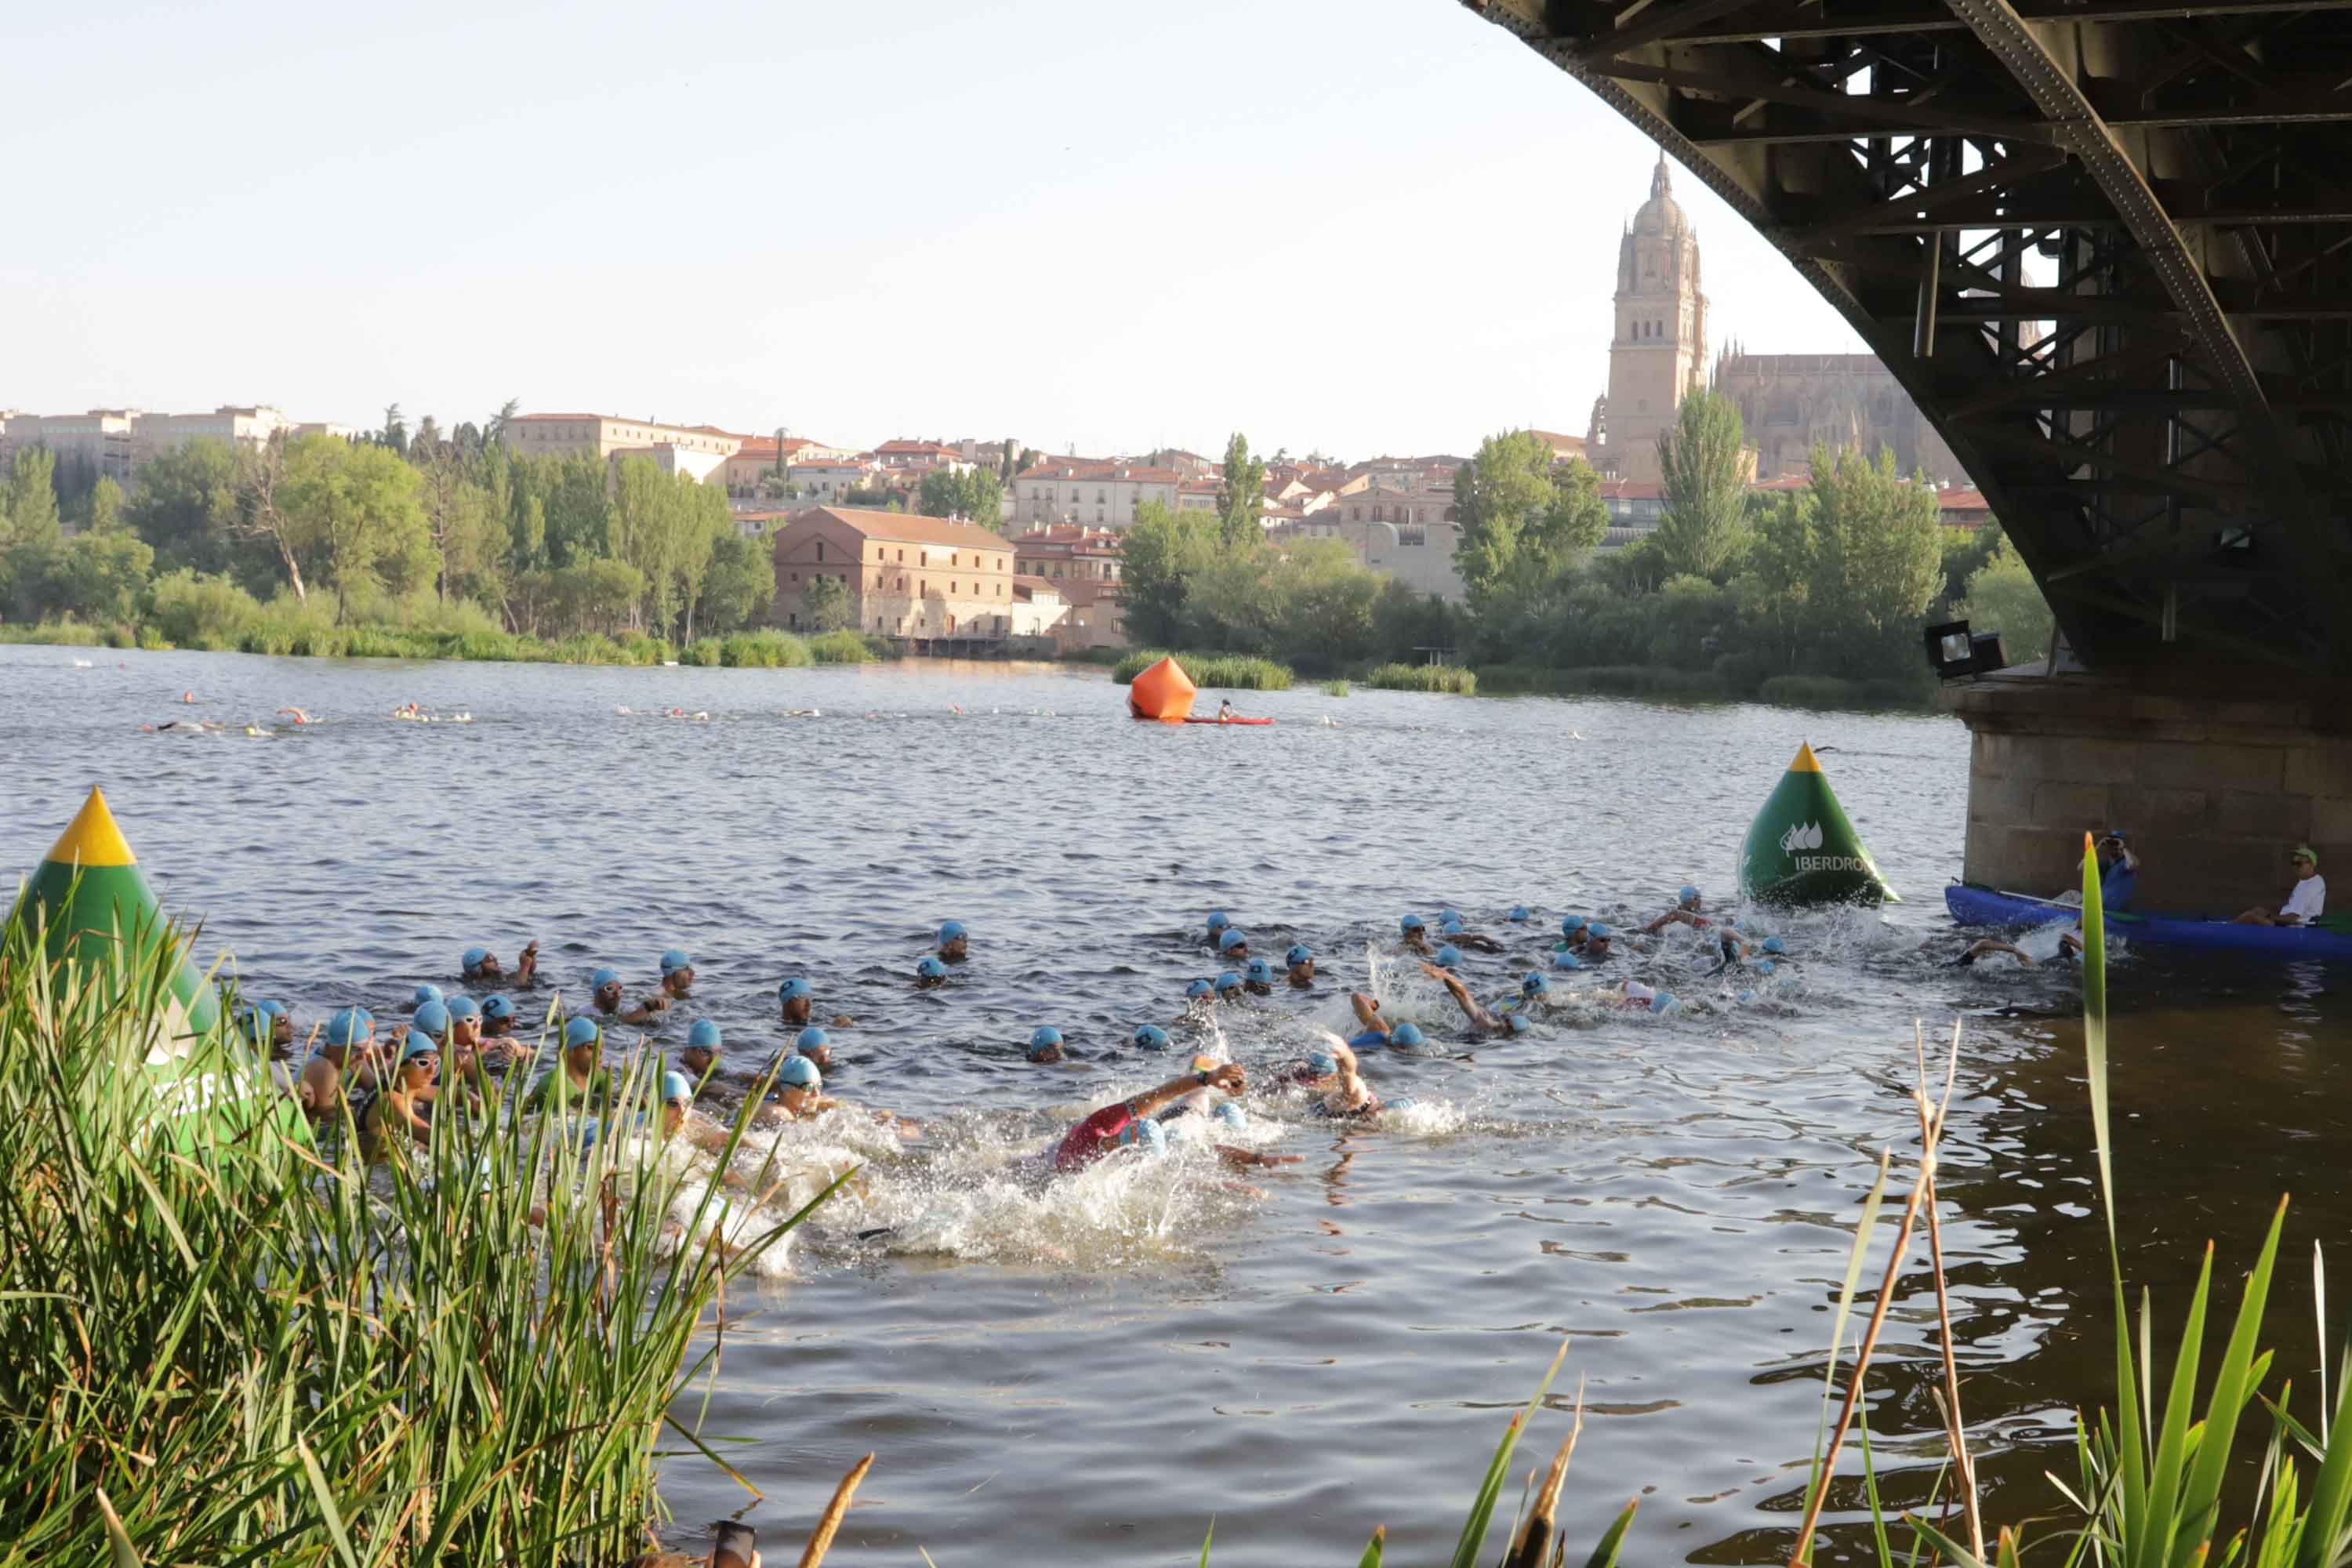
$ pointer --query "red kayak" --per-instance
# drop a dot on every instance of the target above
(1229, 721)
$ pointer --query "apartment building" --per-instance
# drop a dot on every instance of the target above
(923, 580)
(1101, 494)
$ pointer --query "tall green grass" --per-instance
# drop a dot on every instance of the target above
(258, 1350)
(1450, 678)
(1230, 671)
(1607, 680)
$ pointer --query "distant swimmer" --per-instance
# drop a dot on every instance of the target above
(479, 963)
(1129, 1125)
(296, 715)
(1300, 966)
(1218, 924)
(188, 697)
(499, 1018)
(677, 980)
(1450, 928)
(1687, 912)
(930, 973)
(1415, 934)
(1046, 1044)
(423, 994)
(1482, 1020)
(1599, 943)
(955, 942)
(1230, 986)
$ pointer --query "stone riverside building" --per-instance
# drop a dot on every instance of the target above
(924, 581)
(1657, 356)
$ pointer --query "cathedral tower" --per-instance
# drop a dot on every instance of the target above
(1659, 354)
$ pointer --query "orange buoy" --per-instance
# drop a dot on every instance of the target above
(1162, 691)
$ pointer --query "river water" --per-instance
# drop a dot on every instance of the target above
(1093, 1370)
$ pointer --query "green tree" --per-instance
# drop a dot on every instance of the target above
(1241, 497)
(1703, 527)
(825, 603)
(1877, 556)
(2003, 597)
(737, 589)
(396, 429)
(98, 577)
(102, 512)
(32, 508)
(978, 496)
(186, 509)
(704, 519)
(1162, 552)
(355, 507)
(1504, 488)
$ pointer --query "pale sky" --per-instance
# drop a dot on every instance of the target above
(1361, 225)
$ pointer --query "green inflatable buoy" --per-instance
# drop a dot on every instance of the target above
(92, 906)
(1802, 850)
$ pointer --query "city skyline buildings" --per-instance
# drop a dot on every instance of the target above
(987, 224)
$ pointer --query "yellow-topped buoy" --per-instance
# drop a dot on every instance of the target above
(1802, 849)
(92, 837)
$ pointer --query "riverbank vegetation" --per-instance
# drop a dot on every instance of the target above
(1448, 678)
(434, 532)
(253, 1349)
(1209, 670)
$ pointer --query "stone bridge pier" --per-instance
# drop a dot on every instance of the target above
(2215, 773)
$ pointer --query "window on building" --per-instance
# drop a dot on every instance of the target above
(820, 550)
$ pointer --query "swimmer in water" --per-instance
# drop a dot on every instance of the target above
(1046, 1044)
(930, 973)
(814, 1043)
(1636, 997)
(296, 715)
(464, 1041)
(1150, 1038)
(700, 1057)
(1484, 1022)
(605, 990)
(1349, 1098)
(2070, 947)
(1416, 932)
(479, 963)
(406, 1103)
(1377, 1030)
(1574, 932)
(955, 942)
(1233, 945)
(1258, 978)
(1687, 912)
(1128, 1124)
(796, 1000)
(1599, 943)
(1300, 966)
(677, 980)
(579, 1079)
(499, 1042)
(274, 1039)
(344, 1060)
(1230, 988)
(1451, 930)
(1218, 925)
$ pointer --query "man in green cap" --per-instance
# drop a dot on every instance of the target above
(2305, 901)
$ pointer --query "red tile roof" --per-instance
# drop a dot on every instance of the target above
(902, 528)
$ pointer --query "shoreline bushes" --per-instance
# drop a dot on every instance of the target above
(1226, 671)
(1446, 678)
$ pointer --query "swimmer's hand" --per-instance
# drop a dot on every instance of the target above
(1228, 1078)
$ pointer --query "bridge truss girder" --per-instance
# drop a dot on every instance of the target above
(2106, 247)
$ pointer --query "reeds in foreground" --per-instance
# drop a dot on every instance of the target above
(257, 1350)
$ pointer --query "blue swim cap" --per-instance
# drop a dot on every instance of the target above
(1449, 913)
(798, 1072)
(1198, 989)
(474, 958)
(1535, 985)
(1410, 923)
(1299, 953)
(496, 1007)
(1146, 1133)
(1688, 893)
(1152, 1038)
(1662, 1001)
(1322, 1064)
(256, 1022)
(1597, 929)
(463, 1007)
(423, 994)
(675, 1087)
(1043, 1035)
(1405, 1035)
(810, 1038)
(1228, 981)
(603, 978)
(1217, 922)
(952, 930)
(581, 1032)
(705, 1034)
(275, 1009)
(1567, 960)
(1448, 956)
(1230, 1114)
(1774, 944)
(1519, 911)
(349, 1027)
(675, 959)
(792, 988)
(1519, 1022)
(418, 1045)
(1261, 972)
(1401, 1102)
(930, 969)
(1570, 924)
(1234, 937)
(1763, 966)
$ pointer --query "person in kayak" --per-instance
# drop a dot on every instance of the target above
(2305, 901)
(2118, 872)
(1225, 710)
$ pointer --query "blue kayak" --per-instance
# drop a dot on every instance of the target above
(1974, 906)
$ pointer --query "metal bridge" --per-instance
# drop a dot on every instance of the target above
(2106, 245)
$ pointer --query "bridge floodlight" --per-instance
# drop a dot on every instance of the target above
(1955, 651)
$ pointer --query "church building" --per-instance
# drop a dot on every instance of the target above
(1787, 401)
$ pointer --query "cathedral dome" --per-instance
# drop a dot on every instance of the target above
(1661, 213)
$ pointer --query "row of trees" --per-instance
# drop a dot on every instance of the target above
(396, 526)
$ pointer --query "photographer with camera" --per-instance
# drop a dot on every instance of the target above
(2118, 872)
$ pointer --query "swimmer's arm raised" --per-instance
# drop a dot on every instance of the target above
(1152, 1100)
(1461, 997)
(1368, 1012)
